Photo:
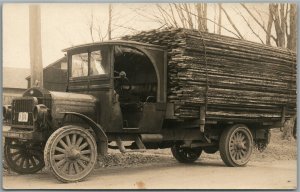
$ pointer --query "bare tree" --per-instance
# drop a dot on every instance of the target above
(91, 26)
(279, 23)
(260, 23)
(269, 27)
(187, 10)
(202, 16)
(100, 30)
(220, 19)
(109, 21)
(292, 35)
(232, 23)
(285, 30)
(182, 14)
(251, 27)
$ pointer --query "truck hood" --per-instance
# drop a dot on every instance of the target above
(72, 102)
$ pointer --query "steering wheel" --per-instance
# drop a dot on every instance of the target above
(123, 83)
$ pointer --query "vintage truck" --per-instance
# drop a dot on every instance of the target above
(130, 90)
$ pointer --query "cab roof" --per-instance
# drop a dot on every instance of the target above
(114, 42)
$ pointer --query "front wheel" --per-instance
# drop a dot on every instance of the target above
(23, 157)
(236, 145)
(70, 153)
(185, 155)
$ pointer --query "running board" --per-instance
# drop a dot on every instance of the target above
(138, 141)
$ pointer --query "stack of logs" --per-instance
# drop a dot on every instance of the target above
(236, 80)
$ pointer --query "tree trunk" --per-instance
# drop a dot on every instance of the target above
(189, 16)
(220, 19)
(109, 21)
(277, 23)
(202, 16)
(205, 17)
(282, 23)
(291, 40)
(269, 27)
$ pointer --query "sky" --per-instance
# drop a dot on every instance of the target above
(64, 25)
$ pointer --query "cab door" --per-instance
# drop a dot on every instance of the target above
(143, 97)
(90, 72)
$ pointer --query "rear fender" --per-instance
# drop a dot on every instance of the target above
(100, 134)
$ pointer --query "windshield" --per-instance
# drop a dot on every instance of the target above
(90, 63)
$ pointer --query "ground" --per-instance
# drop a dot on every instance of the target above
(275, 168)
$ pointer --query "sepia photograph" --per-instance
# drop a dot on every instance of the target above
(189, 96)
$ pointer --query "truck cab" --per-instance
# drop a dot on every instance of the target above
(127, 78)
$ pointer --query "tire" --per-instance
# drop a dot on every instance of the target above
(23, 157)
(70, 153)
(236, 144)
(185, 155)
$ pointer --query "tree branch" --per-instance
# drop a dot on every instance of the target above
(189, 18)
(250, 27)
(231, 22)
(130, 28)
(254, 18)
(219, 25)
(173, 16)
(91, 26)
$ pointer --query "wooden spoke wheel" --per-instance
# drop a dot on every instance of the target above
(185, 155)
(236, 145)
(70, 153)
(23, 157)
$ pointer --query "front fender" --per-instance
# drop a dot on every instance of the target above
(100, 134)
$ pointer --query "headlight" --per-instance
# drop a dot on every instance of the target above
(6, 112)
(39, 112)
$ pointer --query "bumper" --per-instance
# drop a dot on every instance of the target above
(26, 135)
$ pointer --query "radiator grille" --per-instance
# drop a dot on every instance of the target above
(24, 104)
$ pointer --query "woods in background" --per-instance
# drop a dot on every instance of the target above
(280, 27)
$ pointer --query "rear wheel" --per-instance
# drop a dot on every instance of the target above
(70, 153)
(23, 157)
(236, 145)
(185, 155)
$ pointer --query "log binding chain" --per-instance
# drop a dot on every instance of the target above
(204, 108)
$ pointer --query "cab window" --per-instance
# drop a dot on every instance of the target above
(97, 64)
(80, 65)
(90, 63)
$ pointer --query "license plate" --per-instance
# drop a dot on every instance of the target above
(23, 117)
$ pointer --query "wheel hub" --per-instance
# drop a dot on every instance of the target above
(240, 146)
(73, 154)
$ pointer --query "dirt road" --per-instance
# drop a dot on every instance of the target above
(204, 174)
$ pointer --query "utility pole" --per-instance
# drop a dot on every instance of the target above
(35, 46)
